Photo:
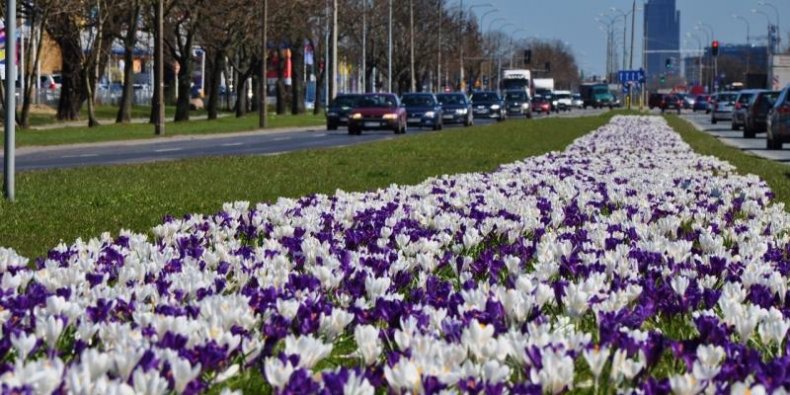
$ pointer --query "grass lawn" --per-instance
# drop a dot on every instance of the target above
(114, 132)
(45, 115)
(776, 174)
(56, 205)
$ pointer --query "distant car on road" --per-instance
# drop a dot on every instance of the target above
(564, 100)
(422, 110)
(701, 104)
(577, 101)
(722, 104)
(377, 111)
(688, 100)
(672, 102)
(517, 103)
(655, 100)
(541, 105)
(337, 112)
(778, 121)
(742, 101)
(456, 107)
(488, 104)
(757, 113)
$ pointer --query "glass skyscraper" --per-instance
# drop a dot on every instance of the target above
(662, 33)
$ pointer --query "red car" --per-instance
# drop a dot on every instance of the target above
(377, 111)
(541, 105)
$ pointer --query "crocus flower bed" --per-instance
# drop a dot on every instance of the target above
(625, 262)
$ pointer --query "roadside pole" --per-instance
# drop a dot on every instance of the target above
(10, 101)
(262, 119)
(159, 80)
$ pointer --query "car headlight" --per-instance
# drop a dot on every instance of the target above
(430, 114)
(525, 106)
(390, 116)
(356, 115)
(461, 111)
(495, 106)
(331, 114)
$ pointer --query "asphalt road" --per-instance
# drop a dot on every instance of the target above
(734, 138)
(181, 147)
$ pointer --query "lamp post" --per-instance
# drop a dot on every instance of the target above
(10, 103)
(709, 36)
(746, 21)
(776, 13)
(699, 57)
(768, 21)
(461, 43)
(483, 17)
(625, 27)
(513, 44)
(389, 49)
(491, 62)
(608, 24)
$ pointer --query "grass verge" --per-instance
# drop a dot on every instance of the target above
(776, 174)
(135, 131)
(56, 205)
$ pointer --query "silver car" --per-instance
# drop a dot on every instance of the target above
(722, 105)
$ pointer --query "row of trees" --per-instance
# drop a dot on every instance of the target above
(229, 31)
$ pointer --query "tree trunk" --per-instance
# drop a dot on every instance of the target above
(216, 76)
(297, 77)
(241, 95)
(71, 87)
(125, 106)
(184, 90)
(32, 56)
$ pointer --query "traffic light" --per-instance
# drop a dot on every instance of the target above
(527, 56)
(548, 67)
(714, 48)
(668, 63)
(663, 79)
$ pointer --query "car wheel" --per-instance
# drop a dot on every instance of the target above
(331, 126)
(771, 143)
(354, 131)
(733, 126)
(748, 133)
(713, 120)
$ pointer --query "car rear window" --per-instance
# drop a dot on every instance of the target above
(450, 99)
(346, 101)
(484, 96)
(726, 97)
(516, 95)
(745, 97)
(417, 100)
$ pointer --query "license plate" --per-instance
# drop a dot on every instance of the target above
(448, 117)
(414, 120)
(343, 119)
(481, 107)
(372, 124)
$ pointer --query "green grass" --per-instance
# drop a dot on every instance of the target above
(114, 132)
(776, 174)
(103, 113)
(56, 205)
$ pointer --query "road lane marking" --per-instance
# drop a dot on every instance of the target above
(281, 138)
(88, 155)
(168, 150)
(232, 144)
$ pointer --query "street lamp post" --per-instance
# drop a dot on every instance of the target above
(389, 49)
(710, 36)
(699, 57)
(625, 27)
(776, 12)
(10, 103)
(746, 21)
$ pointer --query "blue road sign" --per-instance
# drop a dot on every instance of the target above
(631, 75)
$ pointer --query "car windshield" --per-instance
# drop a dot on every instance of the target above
(744, 97)
(450, 99)
(577, 97)
(484, 96)
(563, 96)
(346, 101)
(378, 101)
(726, 97)
(56, 78)
(417, 100)
(537, 99)
(514, 96)
(771, 96)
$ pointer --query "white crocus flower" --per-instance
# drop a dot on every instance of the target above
(596, 359)
(333, 325)
(403, 374)
(708, 362)
(49, 329)
(684, 384)
(309, 349)
(23, 344)
(183, 372)
(277, 372)
(357, 385)
(368, 343)
(557, 372)
(774, 327)
(149, 383)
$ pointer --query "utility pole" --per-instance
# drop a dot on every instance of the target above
(263, 101)
(633, 20)
(389, 49)
(364, 45)
(413, 81)
(461, 51)
(439, 50)
(10, 100)
(334, 50)
(159, 76)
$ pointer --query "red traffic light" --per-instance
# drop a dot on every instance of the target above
(715, 44)
(714, 48)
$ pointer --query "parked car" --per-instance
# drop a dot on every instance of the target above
(672, 102)
(701, 104)
(688, 100)
(422, 110)
(517, 103)
(757, 113)
(338, 111)
(722, 104)
(377, 111)
(488, 104)
(742, 101)
(541, 105)
(655, 100)
(51, 82)
(457, 108)
(778, 121)
(577, 101)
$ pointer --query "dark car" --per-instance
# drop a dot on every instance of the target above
(778, 121)
(742, 101)
(422, 110)
(541, 105)
(655, 100)
(701, 104)
(488, 104)
(672, 102)
(337, 112)
(517, 103)
(456, 108)
(721, 106)
(757, 113)
(377, 111)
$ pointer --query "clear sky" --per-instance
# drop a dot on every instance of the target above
(573, 21)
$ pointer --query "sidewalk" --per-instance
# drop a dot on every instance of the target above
(110, 121)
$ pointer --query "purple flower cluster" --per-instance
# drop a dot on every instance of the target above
(627, 261)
